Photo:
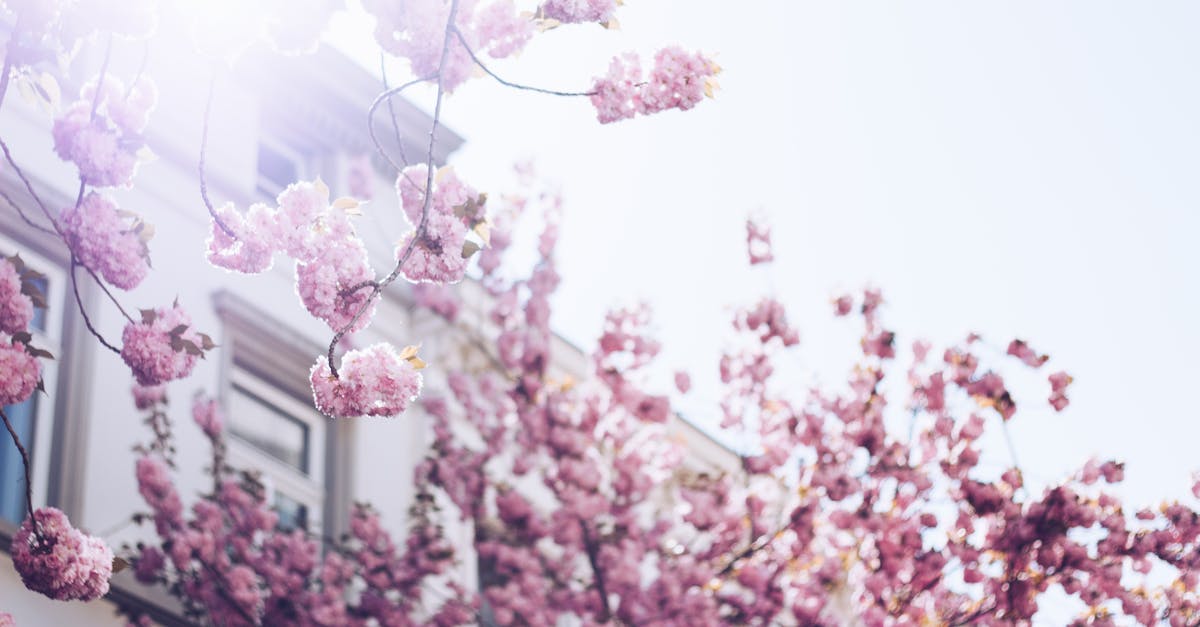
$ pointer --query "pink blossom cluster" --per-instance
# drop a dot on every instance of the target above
(16, 307)
(230, 563)
(417, 31)
(1058, 390)
(102, 133)
(20, 371)
(758, 242)
(852, 544)
(148, 396)
(575, 11)
(440, 299)
(6, 620)
(59, 561)
(679, 80)
(374, 381)
(331, 260)
(769, 319)
(207, 414)
(849, 507)
(163, 346)
(107, 240)
(360, 177)
(1030, 357)
(155, 486)
(455, 209)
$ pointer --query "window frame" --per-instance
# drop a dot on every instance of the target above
(304, 487)
(41, 444)
(256, 344)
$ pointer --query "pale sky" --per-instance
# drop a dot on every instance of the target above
(1021, 169)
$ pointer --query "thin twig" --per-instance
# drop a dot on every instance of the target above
(29, 187)
(24, 217)
(83, 312)
(391, 108)
(592, 552)
(203, 150)
(100, 79)
(387, 96)
(507, 83)
(109, 293)
(141, 69)
(1012, 450)
(8, 56)
(420, 232)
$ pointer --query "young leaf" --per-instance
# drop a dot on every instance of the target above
(38, 352)
(469, 248)
(345, 203)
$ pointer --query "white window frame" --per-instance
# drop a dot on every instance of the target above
(306, 488)
(52, 340)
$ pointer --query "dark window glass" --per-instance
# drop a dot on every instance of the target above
(292, 513)
(12, 471)
(39, 315)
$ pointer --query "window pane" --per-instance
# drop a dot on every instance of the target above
(267, 427)
(275, 170)
(292, 513)
(12, 471)
(39, 314)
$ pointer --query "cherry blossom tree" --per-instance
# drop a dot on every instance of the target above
(581, 505)
(102, 134)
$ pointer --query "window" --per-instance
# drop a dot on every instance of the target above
(33, 419)
(275, 434)
(278, 167)
(302, 456)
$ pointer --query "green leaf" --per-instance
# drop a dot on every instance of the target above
(469, 248)
(148, 316)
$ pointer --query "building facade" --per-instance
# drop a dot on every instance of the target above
(274, 120)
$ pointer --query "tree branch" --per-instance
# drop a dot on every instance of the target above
(83, 312)
(24, 460)
(591, 550)
(387, 96)
(420, 233)
(203, 152)
(506, 83)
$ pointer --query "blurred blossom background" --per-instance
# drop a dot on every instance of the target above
(1020, 169)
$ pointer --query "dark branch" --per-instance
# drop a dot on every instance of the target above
(420, 233)
(83, 312)
(24, 217)
(387, 96)
(592, 550)
(24, 460)
(391, 108)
